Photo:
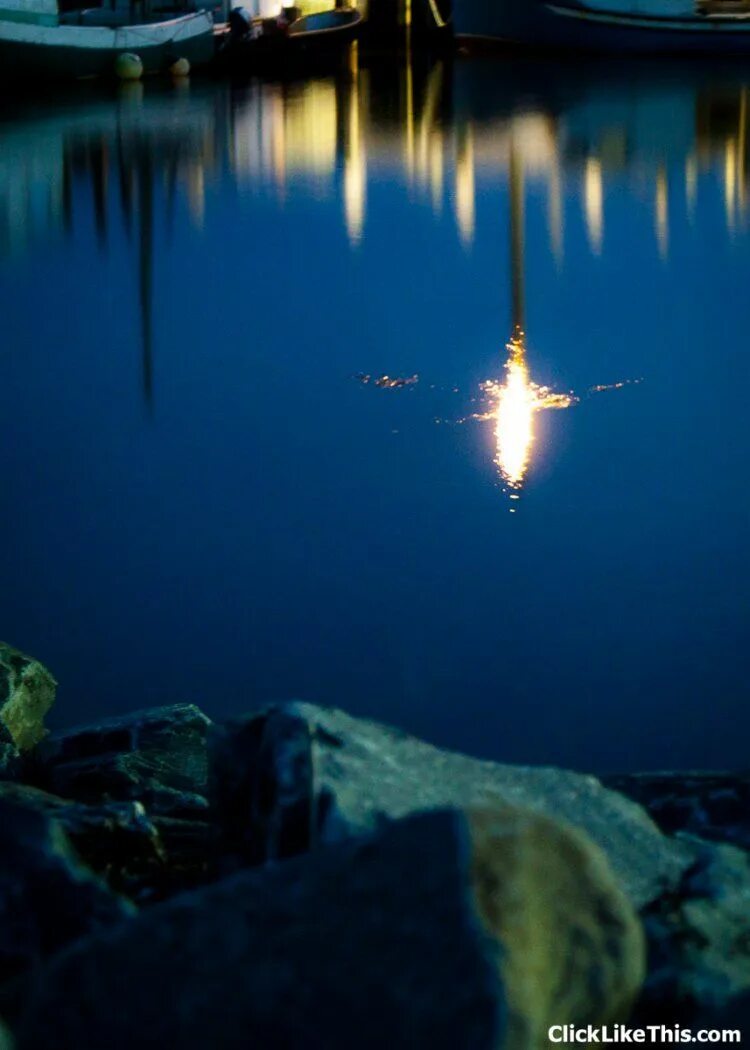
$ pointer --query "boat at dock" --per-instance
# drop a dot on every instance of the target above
(39, 40)
(247, 45)
(680, 27)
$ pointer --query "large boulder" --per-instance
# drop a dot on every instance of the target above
(27, 692)
(47, 897)
(445, 930)
(295, 775)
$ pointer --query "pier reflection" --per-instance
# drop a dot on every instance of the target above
(142, 159)
(431, 126)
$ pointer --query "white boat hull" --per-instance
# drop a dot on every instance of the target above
(72, 51)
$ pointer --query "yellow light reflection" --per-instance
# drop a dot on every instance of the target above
(465, 187)
(593, 196)
(730, 183)
(691, 184)
(355, 173)
(517, 399)
(514, 427)
(662, 213)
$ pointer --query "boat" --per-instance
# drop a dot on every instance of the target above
(680, 27)
(40, 40)
(250, 44)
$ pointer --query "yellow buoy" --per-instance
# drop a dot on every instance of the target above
(180, 68)
(128, 67)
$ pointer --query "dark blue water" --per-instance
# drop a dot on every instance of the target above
(200, 502)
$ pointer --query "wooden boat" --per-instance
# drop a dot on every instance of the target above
(683, 27)
(267, 44)
(39, 41)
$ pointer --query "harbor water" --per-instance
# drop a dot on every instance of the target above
(417, 390)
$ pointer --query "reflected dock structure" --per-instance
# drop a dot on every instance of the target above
(443, 134)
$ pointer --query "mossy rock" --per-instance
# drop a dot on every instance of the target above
(27, 692)
(572, 946)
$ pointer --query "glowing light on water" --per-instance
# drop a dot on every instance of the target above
(513, 404)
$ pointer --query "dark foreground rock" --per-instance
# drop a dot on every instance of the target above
(117, 840)
(296, 776)
(156, 759)
(47, 897)
(390, 920)
(438, 932)
(27, 692)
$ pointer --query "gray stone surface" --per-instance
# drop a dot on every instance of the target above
(159, 754)
(297, 775)
(699, 936)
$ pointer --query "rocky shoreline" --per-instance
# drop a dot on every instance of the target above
(302, 879)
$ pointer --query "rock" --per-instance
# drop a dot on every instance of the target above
(699, 938)
(297, 775)
(437, 932)
(158, 755)
(27, 692)
(156, 758)
(47, 898)
(117, 840)
(714, 806)
(6, 1039)
(263, 787)
(10, 757)
(572, 945)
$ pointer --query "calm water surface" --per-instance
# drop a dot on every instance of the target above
(534, 552)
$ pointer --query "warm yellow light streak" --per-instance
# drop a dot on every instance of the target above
(662, 213)
(355, 173)
(464, 197)
(691, 184)
(310, 129)
(730, 183)
(593, 195)
(409, 128)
